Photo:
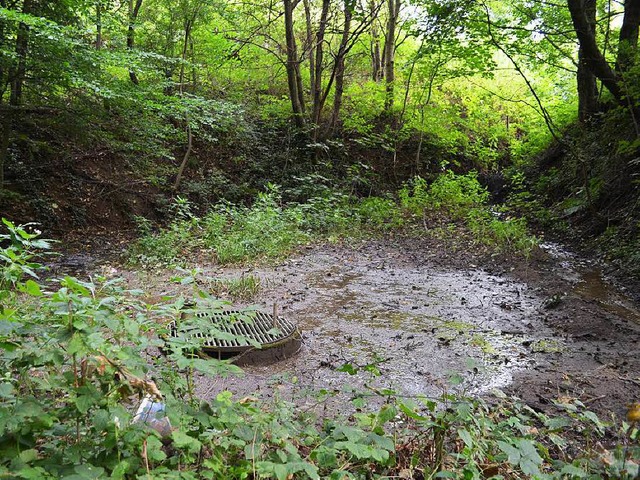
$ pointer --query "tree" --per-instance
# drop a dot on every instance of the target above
(586, 80)
(294, 78)
(592, 58)
(134, 10)
(628, 39)
(393, 13)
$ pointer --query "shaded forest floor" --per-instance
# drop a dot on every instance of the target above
(431, 315)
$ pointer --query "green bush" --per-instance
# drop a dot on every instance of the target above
(76, 355)
(268, 229)
(451, 193)
(508, 235)
(380, 213)
(462, 198)
(19, 250)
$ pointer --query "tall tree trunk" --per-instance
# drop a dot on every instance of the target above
(293, 65)
(134, 10)
(98, 24)
(299, 87)
(194, 70)
(586, 80)
(593, 58)
(188, 27)
(310, 43)
(376, 59)
(187, 154)
(390, 52)
(168, 76)
(5, 117)
(4, 81)
(317, 86)
(185, 45)
(628, 40)
(20, 69)
(340, 65)
(16, 76)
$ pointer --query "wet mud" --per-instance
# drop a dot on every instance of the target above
(398, 315)
(418, 318)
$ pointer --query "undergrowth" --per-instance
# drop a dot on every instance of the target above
(462, 200)
(271, 229)
(79, 355)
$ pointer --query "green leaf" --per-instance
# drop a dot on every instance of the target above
(572, 470)
(466, 437)
(154, 449)
(120, 470)
(132, 328)
(182, 440)
(529, 451)
(33, 473)
(6, 390)
(348, 368)
(76, 345)
(76, 286)
(386, 414)
(512, 452)
(28, 456)
(84, 403)
(89, 472)
(557, 423)
(529, 467)
(411, 412)
(32, 288)
(282, 471)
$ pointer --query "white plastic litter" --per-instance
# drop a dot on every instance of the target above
(152, 414)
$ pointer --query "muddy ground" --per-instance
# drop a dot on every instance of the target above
(423, 318)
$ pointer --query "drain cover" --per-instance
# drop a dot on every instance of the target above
(245, 337)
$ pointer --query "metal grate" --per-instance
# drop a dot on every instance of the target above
(233, 333)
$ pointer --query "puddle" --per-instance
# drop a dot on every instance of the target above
(399, 316)
(418, 326)
(590, 284)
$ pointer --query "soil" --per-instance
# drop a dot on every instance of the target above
(422, 317)
(77, 197)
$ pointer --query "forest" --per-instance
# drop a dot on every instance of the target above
(346, 239)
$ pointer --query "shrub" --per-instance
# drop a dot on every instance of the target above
(268, 229)
(380, 213)
(451, 193)
(508, 235)
(19, 248)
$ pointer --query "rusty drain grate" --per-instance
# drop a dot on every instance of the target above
(277, 337)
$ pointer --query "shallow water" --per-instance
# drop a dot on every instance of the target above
(402, 318)
(418, 325)
(590, 284)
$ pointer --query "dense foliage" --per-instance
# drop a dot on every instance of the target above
(213, 100)
(242, 130)
(79, 356)
(267, 229)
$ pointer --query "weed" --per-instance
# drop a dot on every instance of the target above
(508, 235)
(483, 344)
(380, 213)
(19, 248)
(245, 287)
(547, 346)
(451, 193)
(268, 229)
(75, 356)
